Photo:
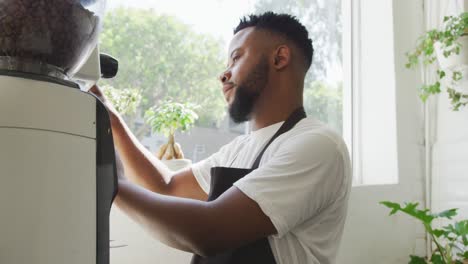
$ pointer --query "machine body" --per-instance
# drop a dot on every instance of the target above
(57, 173)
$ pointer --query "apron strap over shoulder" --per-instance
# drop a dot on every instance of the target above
(292, 120)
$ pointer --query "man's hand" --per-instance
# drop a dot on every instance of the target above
(96, 91)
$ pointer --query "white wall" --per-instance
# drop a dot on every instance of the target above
(371, 236)
(450, 158)
(375, 146)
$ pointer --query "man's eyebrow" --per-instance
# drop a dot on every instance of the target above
(230, 56)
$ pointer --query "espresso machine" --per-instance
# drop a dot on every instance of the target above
(57, 160)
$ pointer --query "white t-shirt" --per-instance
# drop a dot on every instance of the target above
(302, 184)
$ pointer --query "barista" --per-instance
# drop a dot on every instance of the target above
(277, 195)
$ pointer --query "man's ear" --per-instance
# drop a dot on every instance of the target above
(282, 57)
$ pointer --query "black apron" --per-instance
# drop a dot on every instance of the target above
(222, 178)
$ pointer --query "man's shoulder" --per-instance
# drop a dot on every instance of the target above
(313, 129)
(311, 134)
(234, 143)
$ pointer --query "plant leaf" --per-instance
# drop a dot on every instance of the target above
(438, 232)
(437, 259)
(417, 260)
(447, 213)
(410, 209)
(441, 74)
(457, 76)
(461, 228)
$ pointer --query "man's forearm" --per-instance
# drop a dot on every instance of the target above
(201, 227)
(177, 222)
(140, 165)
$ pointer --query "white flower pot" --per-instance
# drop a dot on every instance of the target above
(453, 61)
(177, 164)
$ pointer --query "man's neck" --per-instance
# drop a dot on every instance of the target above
(267, 116)
(277, 102)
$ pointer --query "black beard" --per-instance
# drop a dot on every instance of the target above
(246, 95)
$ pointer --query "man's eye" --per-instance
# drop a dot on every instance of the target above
(235, 58)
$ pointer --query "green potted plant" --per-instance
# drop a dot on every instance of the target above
(448, 46)
(451, 241)
(167, 118)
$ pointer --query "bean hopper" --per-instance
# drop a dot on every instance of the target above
(57, 160)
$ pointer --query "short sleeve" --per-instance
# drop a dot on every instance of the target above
(302, 177)
(201, 170)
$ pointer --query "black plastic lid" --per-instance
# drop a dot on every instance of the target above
(109, 66)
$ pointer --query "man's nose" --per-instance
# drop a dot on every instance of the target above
(225, 76)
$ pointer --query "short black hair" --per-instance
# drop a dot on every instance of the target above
(284, 24)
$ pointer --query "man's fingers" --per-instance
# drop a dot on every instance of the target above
(95, 90)
(100, 95)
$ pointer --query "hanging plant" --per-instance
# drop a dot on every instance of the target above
(447, 43)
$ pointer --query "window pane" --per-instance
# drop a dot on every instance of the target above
(323, 88)
(166, 50)
(375, 132)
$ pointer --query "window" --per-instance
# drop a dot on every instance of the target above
(178, 48)
(198, 150)
(167, 50)
(323, 88)
(373, 109)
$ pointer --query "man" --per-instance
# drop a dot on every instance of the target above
(277, 195)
